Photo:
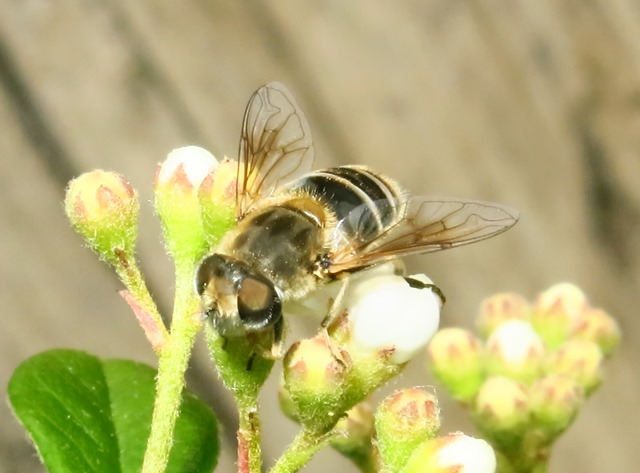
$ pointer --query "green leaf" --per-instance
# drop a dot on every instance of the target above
(91, 415)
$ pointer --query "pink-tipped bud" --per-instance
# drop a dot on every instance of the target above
(217, 201)
(580, 360)
(177, 204)
(515, 350)
(500, 308)
(555, 402)
(555, 310)
(502, 407)
(403, 421)
(314, 376)
(103, 208)
(453, 453)
(456, 360)
(597, 326)
(185, 169)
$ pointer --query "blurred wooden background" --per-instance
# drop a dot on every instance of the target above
(533, 104)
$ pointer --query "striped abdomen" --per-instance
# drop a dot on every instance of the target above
(365, 203)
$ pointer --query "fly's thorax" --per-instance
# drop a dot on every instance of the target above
(281, 240)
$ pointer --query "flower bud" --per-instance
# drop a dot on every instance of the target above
(103, 208)
(454, 453)
(580, 360)
(515, 350)
(500, 308)
(597, 326)
(176, 199)
(502, 408)
(287, 404)
(555, 310)
(456, 361)
(315, 379)
(555, 401)
(217, 201)
(393, 316)
(403, 421)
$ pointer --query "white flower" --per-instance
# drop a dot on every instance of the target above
(189, 163)
(467, 454)
(387, 313)
(516, 342)
(563, 297)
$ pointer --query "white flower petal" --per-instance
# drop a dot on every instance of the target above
(469, 454)
(387, 313)
(196, 162)
(516, 340)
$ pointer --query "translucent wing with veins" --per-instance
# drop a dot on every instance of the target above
(275, 145)
(426, 224)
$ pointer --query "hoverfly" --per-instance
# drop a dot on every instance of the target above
(299, 229)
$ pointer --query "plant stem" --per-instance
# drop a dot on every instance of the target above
(172, 365)
(249, 435)
(130, 275)
(300, 451)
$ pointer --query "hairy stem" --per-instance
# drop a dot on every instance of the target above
(172, 365)
(130, 275)
(300, 451)
(249, 436)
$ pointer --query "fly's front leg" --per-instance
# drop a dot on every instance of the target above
(336, 304)
(334, 311)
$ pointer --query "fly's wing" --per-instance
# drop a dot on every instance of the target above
(426, 224)
(275, 145)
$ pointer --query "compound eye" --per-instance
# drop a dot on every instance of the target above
(258, 303)
(211, 267)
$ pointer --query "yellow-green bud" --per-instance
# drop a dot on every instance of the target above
(287, 404)
(456, 360)
(103, 208)
(217, 201)
(555, 311)
(555, 401)
(597, 326)
(501, 409)
(404, 420)
(176, 200)
(453, 453)
(315, 379)
(580, 360)
(500, 308)
(515, 350)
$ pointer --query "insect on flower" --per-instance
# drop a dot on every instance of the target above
(297, 229)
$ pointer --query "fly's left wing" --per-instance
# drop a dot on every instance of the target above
(275, 145)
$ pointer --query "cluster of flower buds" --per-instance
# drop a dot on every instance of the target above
(527, 374)
(385, 320)
(103, 208)
(407, 424)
